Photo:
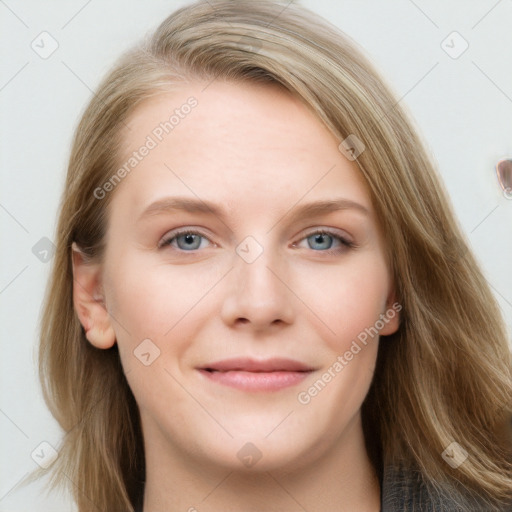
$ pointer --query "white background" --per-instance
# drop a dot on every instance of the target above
(463, 108)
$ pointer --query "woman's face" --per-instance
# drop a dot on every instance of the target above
(241, 329)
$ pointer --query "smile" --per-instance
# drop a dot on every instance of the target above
(252, 375)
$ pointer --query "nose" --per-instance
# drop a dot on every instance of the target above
(258, 295)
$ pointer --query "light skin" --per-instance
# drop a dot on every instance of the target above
(260, 155)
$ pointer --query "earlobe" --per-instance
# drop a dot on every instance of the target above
(89, 300)
(391, 316)
(101, 338)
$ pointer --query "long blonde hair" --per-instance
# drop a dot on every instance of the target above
(444, 376)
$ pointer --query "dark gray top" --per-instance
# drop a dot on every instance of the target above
(405, 491)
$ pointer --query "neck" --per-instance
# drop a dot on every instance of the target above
(340, 480)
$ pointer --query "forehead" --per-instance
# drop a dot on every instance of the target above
(232, 142)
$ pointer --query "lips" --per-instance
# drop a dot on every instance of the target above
(256, 375)
(252, 365)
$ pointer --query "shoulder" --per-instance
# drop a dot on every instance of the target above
(405, 490)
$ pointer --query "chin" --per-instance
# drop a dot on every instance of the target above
(256, 454)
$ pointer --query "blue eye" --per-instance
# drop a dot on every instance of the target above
(320, 241)
(186, 240)
(323, 240)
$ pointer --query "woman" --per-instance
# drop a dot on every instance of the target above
(261, 299)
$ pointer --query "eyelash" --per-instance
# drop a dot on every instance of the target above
(345, 244)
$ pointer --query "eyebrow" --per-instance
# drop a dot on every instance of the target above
(191, 205)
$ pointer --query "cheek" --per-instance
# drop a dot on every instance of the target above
(148, 297)
(156, 301)
(346, 301)
(152, 305)
(138, 302)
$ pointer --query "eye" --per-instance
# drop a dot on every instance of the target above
(323, 240)
(184, 240)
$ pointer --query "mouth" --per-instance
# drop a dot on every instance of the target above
(253, 375)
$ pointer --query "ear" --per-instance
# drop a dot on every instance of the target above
(89, 300)
(390, 317)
